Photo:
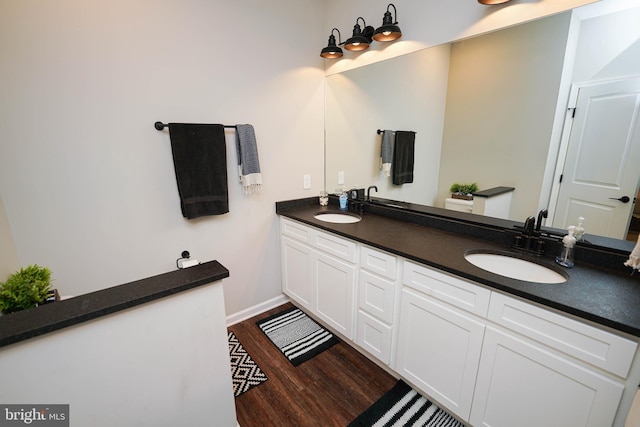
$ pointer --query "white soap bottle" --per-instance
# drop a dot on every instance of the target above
(579, 233)
(565, 258)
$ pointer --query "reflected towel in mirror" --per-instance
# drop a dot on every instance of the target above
(386, 152)
(403, 157)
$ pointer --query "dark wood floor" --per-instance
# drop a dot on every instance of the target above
(331, 389)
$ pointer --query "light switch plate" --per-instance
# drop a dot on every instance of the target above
(307, 182)
(340, 177)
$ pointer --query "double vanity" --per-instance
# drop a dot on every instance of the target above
(434, 301)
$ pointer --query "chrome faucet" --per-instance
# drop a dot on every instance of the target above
(369, 192)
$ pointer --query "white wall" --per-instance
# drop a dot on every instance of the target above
(426, 23)
(137, 367)
(519, 69)
(88, 183)
(408, 93)
(8, 256)
(608, 46)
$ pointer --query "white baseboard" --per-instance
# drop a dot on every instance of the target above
(256, 309)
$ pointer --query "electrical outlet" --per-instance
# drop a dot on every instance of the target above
(341, 178)
(307, 182)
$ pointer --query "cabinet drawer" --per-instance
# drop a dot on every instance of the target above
(378, 262)
(334, 245)
(592, 345)
(455, 291)
(296, 230)
(376, 296)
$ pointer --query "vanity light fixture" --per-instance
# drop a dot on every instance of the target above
(490, 2)
(389, 31)
(332, 50)
(360, 39)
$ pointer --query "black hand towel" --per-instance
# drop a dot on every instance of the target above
(403, 156)
(200, 161)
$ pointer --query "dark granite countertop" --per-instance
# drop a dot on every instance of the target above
(50, 317)
(491, 192)
(606, 297)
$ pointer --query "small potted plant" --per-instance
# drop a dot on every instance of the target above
(25, 289)
(463, 191)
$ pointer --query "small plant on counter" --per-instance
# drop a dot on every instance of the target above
(463, 190)
(25, 289)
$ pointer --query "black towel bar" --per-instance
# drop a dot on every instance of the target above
(160, 126)
(379, 131)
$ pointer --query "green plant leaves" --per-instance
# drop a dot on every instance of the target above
(464, 188)
(25, 288)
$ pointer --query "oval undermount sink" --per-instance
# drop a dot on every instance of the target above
(338, 217)
(509, 265)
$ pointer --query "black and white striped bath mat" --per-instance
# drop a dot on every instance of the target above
(402, 406)
(297, 336)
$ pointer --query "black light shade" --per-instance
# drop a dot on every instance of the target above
(332, 50)
(360, 40)
(389, 31)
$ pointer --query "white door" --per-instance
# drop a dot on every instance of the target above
(602, 166)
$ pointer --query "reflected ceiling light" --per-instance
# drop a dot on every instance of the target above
(360, 39)
(493, 1)
(389, 31)
(332, 50)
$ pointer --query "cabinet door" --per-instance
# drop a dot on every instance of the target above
(439, 350)
(297, 262)
(374, 336)
(522, 384)
(376, 296)
(334, 283)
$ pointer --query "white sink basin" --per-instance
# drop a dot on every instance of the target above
(515, 268)
(338, 217)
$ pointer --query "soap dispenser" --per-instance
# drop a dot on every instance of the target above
(343, 200)
(579, 233)
(565, 258)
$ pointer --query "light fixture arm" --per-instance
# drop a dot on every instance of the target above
(356, 28)
(334, 38)
(387, 13)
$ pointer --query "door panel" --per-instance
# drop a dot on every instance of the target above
(602, 159)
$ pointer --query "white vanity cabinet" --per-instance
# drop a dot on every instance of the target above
(296, 261)
(491, 359)
(440, 335)
(377, 290)
(552, 371)
(319, 273)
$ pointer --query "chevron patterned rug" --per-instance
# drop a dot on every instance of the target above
(245, 372)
